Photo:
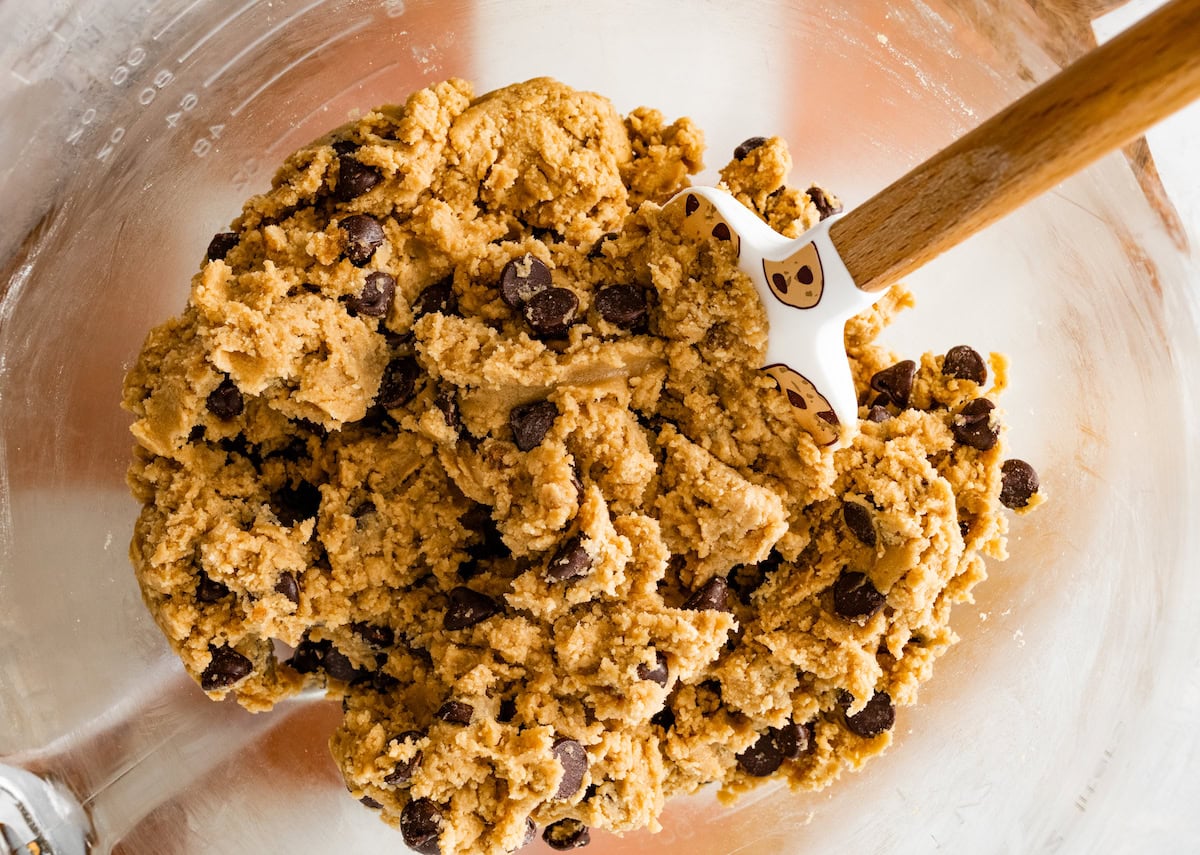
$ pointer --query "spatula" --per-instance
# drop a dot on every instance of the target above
(810, 286)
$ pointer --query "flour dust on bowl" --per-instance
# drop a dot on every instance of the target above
(139, 132)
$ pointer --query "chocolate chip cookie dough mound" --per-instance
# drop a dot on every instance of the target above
(456, 417)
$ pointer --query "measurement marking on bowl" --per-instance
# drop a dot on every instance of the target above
(324, 107)
(207, 36)
(212, 78)
(275, 78)
(179, 17)
(1093, 781)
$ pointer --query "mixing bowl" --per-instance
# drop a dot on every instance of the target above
(131, 131)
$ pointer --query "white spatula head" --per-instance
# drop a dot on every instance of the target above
(808, 296)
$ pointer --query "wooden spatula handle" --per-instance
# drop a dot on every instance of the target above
(1107, 98)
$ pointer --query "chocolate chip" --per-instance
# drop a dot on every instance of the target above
(289, 587)
(896, 382)
(551, 312)
(397, 341)
(570, 561)
(855, 597)
(972, 426)
(721, 232)
(309, 656)
(225, 402)
(711, 596)
(405, 769)
(375, 635)
(478, 520)
(209, 590)
(531, 422)
(338, 665)
(597, 250)
(795, 740)
(354, 179)
(1019, 483)
(878, 414)
(377, 420)
(507, 711)
(826, 206)
(399, 382)
(446, 400)
(657, 674)
(965, 363)
(456, 712)
(623, 306)
(420, 825)
(438, 297)
(467, 608)
(858, 520)
(748, 146)
(296, 504)
(376, 298)
(364, 235)
(877, 716)
(566, 834)
(763, 757)
(577, 482)
(384, 683)
(691, 204)
(522, 279)
(221, 245)
(664, 718)
(574, 761)
(226, 668)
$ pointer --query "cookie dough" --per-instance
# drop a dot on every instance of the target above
(459, 427)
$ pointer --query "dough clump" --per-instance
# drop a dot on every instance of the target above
(457, 418)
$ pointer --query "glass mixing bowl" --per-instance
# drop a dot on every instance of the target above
(131, 131)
